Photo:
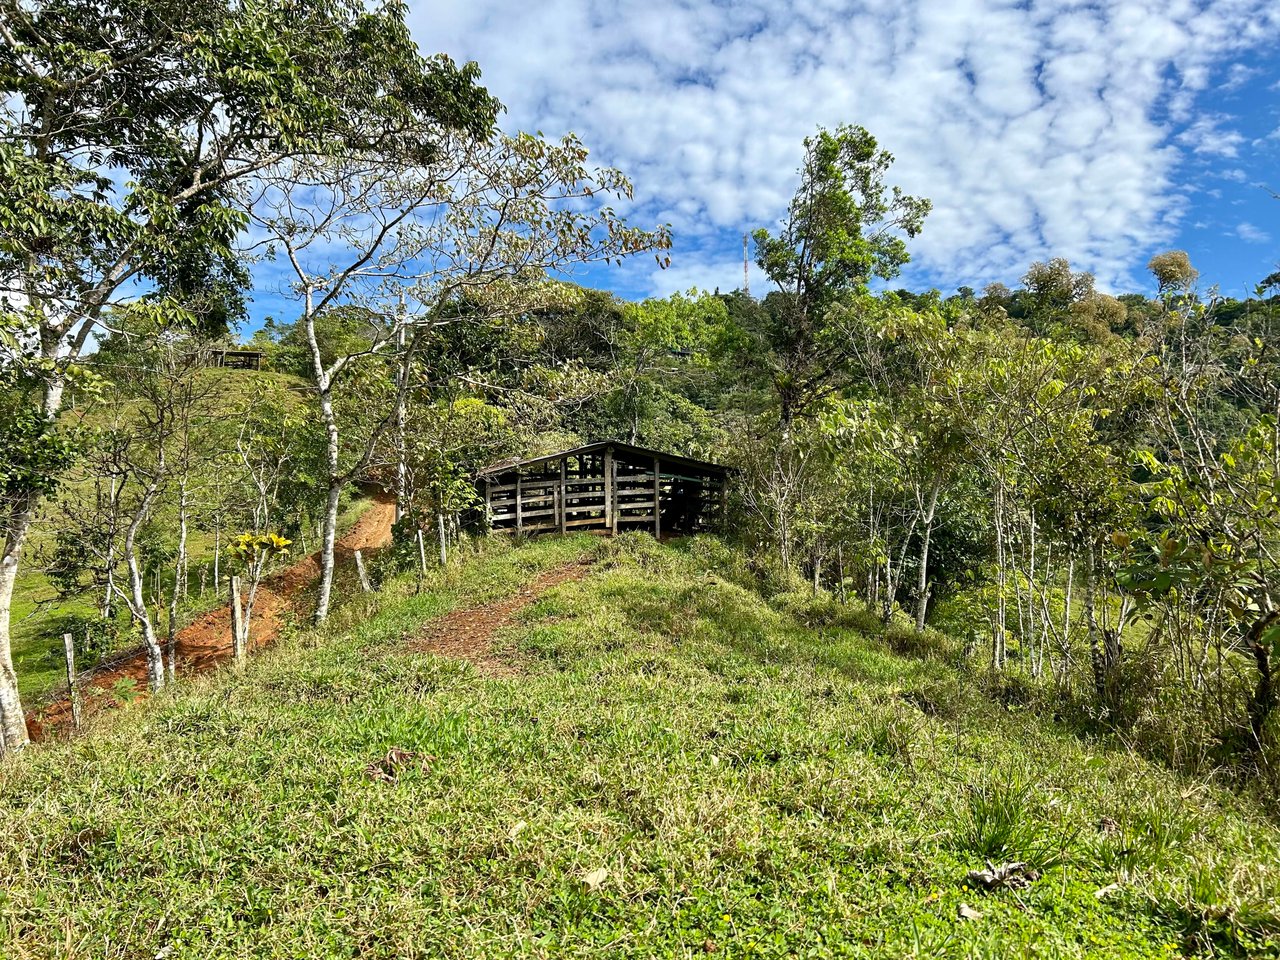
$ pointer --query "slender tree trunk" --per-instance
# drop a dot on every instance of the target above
(255, 578)
(402, 419)
(1096, 657)
(13, 719)
(13, 722)
(328, 541)
(138, 606)
(922, 582)
(180, 586)
(179, 580)
(998, 634)
(334, 496)
(1262, 701)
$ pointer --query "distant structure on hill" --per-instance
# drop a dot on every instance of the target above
(606, 487)
(238, 359)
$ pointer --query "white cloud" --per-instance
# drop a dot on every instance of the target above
(1251, 234)
(1037, 130)
(1206, 137)
(1238, 74)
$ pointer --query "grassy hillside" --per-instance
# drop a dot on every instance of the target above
(679, 769)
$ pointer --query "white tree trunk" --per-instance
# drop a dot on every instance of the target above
(328, 541)
(922, 582)
(13, 722)
(138, 607)
(997, 634)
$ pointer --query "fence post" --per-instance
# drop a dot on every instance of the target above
(422, 551)
(444, 551)
(237, 620)
(363, 573)
(68, 644)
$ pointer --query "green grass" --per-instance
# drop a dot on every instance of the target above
(749, 786)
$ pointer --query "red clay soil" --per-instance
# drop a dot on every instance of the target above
(207, 642)
(468, 634)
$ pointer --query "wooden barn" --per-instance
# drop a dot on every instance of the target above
(610, 487)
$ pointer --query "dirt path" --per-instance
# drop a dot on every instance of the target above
(468, 634)
(207, 641)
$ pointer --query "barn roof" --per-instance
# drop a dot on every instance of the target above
(628, 449)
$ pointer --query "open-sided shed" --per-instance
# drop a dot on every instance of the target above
(607, 486)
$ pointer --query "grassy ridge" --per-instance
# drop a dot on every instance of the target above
(684, 770)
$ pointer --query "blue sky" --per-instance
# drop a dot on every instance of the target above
(1099, 132)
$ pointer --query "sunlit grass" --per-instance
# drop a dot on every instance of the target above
(684, 769)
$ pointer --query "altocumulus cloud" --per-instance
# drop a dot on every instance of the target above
(1038, 129)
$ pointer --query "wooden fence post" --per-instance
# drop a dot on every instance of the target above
(69, 645)
(363, 574)
(237, 621)
(444, 550)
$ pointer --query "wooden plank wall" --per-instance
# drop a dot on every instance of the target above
(603, 492)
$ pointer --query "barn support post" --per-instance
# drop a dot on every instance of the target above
(657, 498)
(519, 504)
(562, 513)
(608, 489)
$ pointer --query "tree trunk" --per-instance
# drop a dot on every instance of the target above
(179, 581)
(13, 722)
(1262, 702)
(180, 584)
(444, 549)
(13, 719)
(328, 540)
(402, 419)
(922, 582)
(998, 633)
(138, 606)
(1096, 657)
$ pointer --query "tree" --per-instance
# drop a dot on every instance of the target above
(468, 236)
(253, 551)
(844, 226)
(130, 132)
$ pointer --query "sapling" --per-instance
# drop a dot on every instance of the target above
(252, 551)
